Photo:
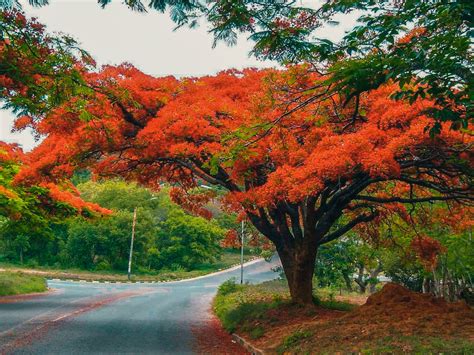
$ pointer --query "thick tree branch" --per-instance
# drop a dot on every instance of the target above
(413, 200)
(363, 218)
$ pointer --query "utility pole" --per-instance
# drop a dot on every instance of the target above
(131, 243)
(242, 255)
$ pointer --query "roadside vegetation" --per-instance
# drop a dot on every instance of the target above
(242, 306)
(393, 320)
(169, 244)
(228, 258)
(15, 283)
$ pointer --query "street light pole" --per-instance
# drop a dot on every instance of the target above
(242, 255)
(131, 243)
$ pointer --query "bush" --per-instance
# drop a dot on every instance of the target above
(103, 265)
(32, 263)
(227, 287)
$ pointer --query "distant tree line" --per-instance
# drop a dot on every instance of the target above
(166, 237)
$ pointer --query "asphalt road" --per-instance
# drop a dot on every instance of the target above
(80, 318)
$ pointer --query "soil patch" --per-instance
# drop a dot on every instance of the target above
(392, 320)
(213, 339)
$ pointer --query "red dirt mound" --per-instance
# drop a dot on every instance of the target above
(397, 296)
(396, 308)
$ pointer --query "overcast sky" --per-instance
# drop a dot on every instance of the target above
(116, 35)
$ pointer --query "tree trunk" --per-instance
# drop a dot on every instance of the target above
(426, 285)
(374, 277)
(298, 265)
(347, 281)
(360, 280)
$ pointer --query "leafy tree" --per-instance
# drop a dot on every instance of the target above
(166, 237)
(38, 71)
(335, 265)
(409, 42)
(30, 212)
(187, 241)
(303, 184)
(122, 195)
(437, 259)
(347, 261)
(105, 243)
(321, 165)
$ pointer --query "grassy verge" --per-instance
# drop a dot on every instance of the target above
(227, 260)
(247, 307)
(302, 342)
(15, 283)
(264, 315)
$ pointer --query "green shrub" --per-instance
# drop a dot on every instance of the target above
(103, 265)
(227, 287)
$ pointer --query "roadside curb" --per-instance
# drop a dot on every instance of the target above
(230, 268)
(25, 296)
(249, 347)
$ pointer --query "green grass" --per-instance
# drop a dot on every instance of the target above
(301, 342)
(257, 332)
(16, 283)
(234, 305)
(241, 306)
(227, 259)
(291, 340)
(419, 345)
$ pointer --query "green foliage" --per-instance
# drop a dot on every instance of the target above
(187, 240)
(228, 287)
(335, 264)
(120, 195)
(106, 241)
(348, 261)
(28, 215)
(237, 305)
(165, 238)
(454, 266)
(437, 55)
(44, 70)
(257, 332)
(13, 283)
(245, 306)
(292, 339)
(404, 270)
(419, 345)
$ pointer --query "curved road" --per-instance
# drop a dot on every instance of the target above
(79, 318)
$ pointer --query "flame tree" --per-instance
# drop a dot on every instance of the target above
(301, 169)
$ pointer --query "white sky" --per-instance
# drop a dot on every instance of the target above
(116, 35)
